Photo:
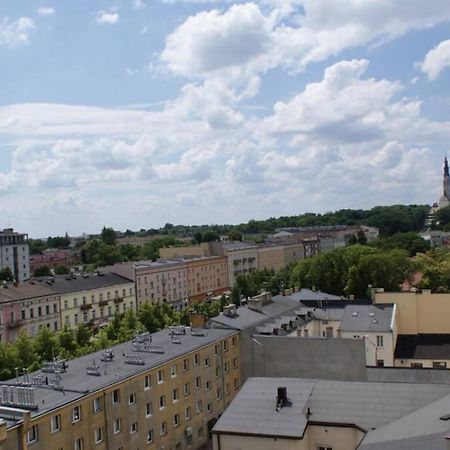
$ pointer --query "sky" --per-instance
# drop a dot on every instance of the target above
(136, 113)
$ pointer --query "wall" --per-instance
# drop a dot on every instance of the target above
(318, 328)
(193, 250)
(276, 356)
(425, 362)
(271, 258)
(405, 375)
(419, 312)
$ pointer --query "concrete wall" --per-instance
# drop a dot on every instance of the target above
(276, 356)
(419, 312)
(406, 375)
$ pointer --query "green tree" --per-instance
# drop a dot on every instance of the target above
(6, 274)
(83, 335)
(58, 242)
(36, 246)
(67, 340)
(61, 270)
(108, 236)
(46, 344)
(43, 271)
(25, 351)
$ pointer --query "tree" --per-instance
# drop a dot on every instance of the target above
(210, 236)
(108, 236)
(58, 242)
(6, 274)
(61, 270)
(43, 271)
(36, 246)
(361, 237)
(46, 344)
(67, 340)
(25, 350)
(83, 335)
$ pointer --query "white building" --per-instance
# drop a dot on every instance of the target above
(15, 254)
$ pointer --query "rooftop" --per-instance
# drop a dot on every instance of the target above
(9, 292)
(366, 405)
(367, 318)
(423, 346)
(75, 383)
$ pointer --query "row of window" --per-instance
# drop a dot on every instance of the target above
(100, 298)
(39, 311)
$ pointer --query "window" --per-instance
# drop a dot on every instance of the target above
(198, 406)
(55, 423)
(175, 395)
(380, 362)
(201, 433)
(79, 444)
(219, 393)
(160, 376)
(148, 409)
(235, 363)
(147, 382)
(186, 389)
(416, 365)
(187, 413)
(209, 407)
(132, 399)
(97, 404)
(217, 371)
(117, 425)
(225, 346)
(322, 447)
(208, 385)
(176, 420)
(380, 341)
(133, 428)
(163, 428)
(149, 436)
(207, 362)
(185, 364)
(162, 402)
(196, 360)
(116, 396)
(216, 350)
(233, 341)
(198, 382)
(439, 365)
(76, 414)
(226, 367)
(236, 383)
(173, 370)
(32, 434)
(98, 435)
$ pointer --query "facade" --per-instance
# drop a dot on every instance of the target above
(204, 249)
(271, 257)
(308, 414)
(93, 299)
(166, 397)
(53, 258)
(15, 254)
(206, 277)
(29, 307)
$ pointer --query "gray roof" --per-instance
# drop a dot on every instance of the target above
(308, 294)
(367, 318)
(422, 429)
(238, 246)
(77, 383)
(366, 405)
(24, 291)
(63, 284)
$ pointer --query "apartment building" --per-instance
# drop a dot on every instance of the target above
(164, 390)
(310, 414)
(27, 306)
(206, 277)
(91, 299)
(271, 257)
(15, 254)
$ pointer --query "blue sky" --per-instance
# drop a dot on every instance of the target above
(134, 113)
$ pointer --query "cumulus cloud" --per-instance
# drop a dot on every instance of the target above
(15, 33)
(46, 11)
(107, 17)
(436, 60)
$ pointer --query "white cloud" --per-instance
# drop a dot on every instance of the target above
(107, 17)
(436, 60)
(138, 4)
(46, 11)
(15, 33)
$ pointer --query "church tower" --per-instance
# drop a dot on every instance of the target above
(446, 183)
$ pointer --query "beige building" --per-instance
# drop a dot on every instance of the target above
(308, 414)
(28, 306)
(271, 257)
(206, 277)
(204, 249)
(423, 327)
(91, 299)
(161, 391)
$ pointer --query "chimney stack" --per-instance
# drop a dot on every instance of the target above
(281, 397)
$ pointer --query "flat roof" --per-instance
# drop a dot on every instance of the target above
(367, 318)
(365, 405)
(423, 346)
(76, 383)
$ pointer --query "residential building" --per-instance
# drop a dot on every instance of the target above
(310, 414)
(271, 257)
(203, 249)
(15, 254)
(91, 299)
(164, 390)
(53, 258)
(28, 306)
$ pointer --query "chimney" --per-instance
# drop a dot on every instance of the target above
(281, 397)
(197, 320)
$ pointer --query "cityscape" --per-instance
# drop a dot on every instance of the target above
(224, 225)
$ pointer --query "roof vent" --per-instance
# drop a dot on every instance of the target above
(107, 355)
(372, 314)
(282, 398)
(355, 314)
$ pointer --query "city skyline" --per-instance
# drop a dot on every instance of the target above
(134, 113)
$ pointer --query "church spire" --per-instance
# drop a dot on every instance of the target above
(446, 173)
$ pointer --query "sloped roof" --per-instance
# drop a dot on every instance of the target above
(423, 346)
(367, 318)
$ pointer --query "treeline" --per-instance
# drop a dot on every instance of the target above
(30, 353)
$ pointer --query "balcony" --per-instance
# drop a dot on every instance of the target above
(85, 306)
(118, 300)
(103, 302)
(14, 324)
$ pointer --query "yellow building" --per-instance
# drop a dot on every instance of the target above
(92, 299)
(164, 390)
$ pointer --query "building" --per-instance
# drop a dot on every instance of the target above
(28, 306)
(311, 414)
(91, 299)
(203, 249)
(15, 254)
(164, 390)
(271, 257)
(53, 258)
(445, 199)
